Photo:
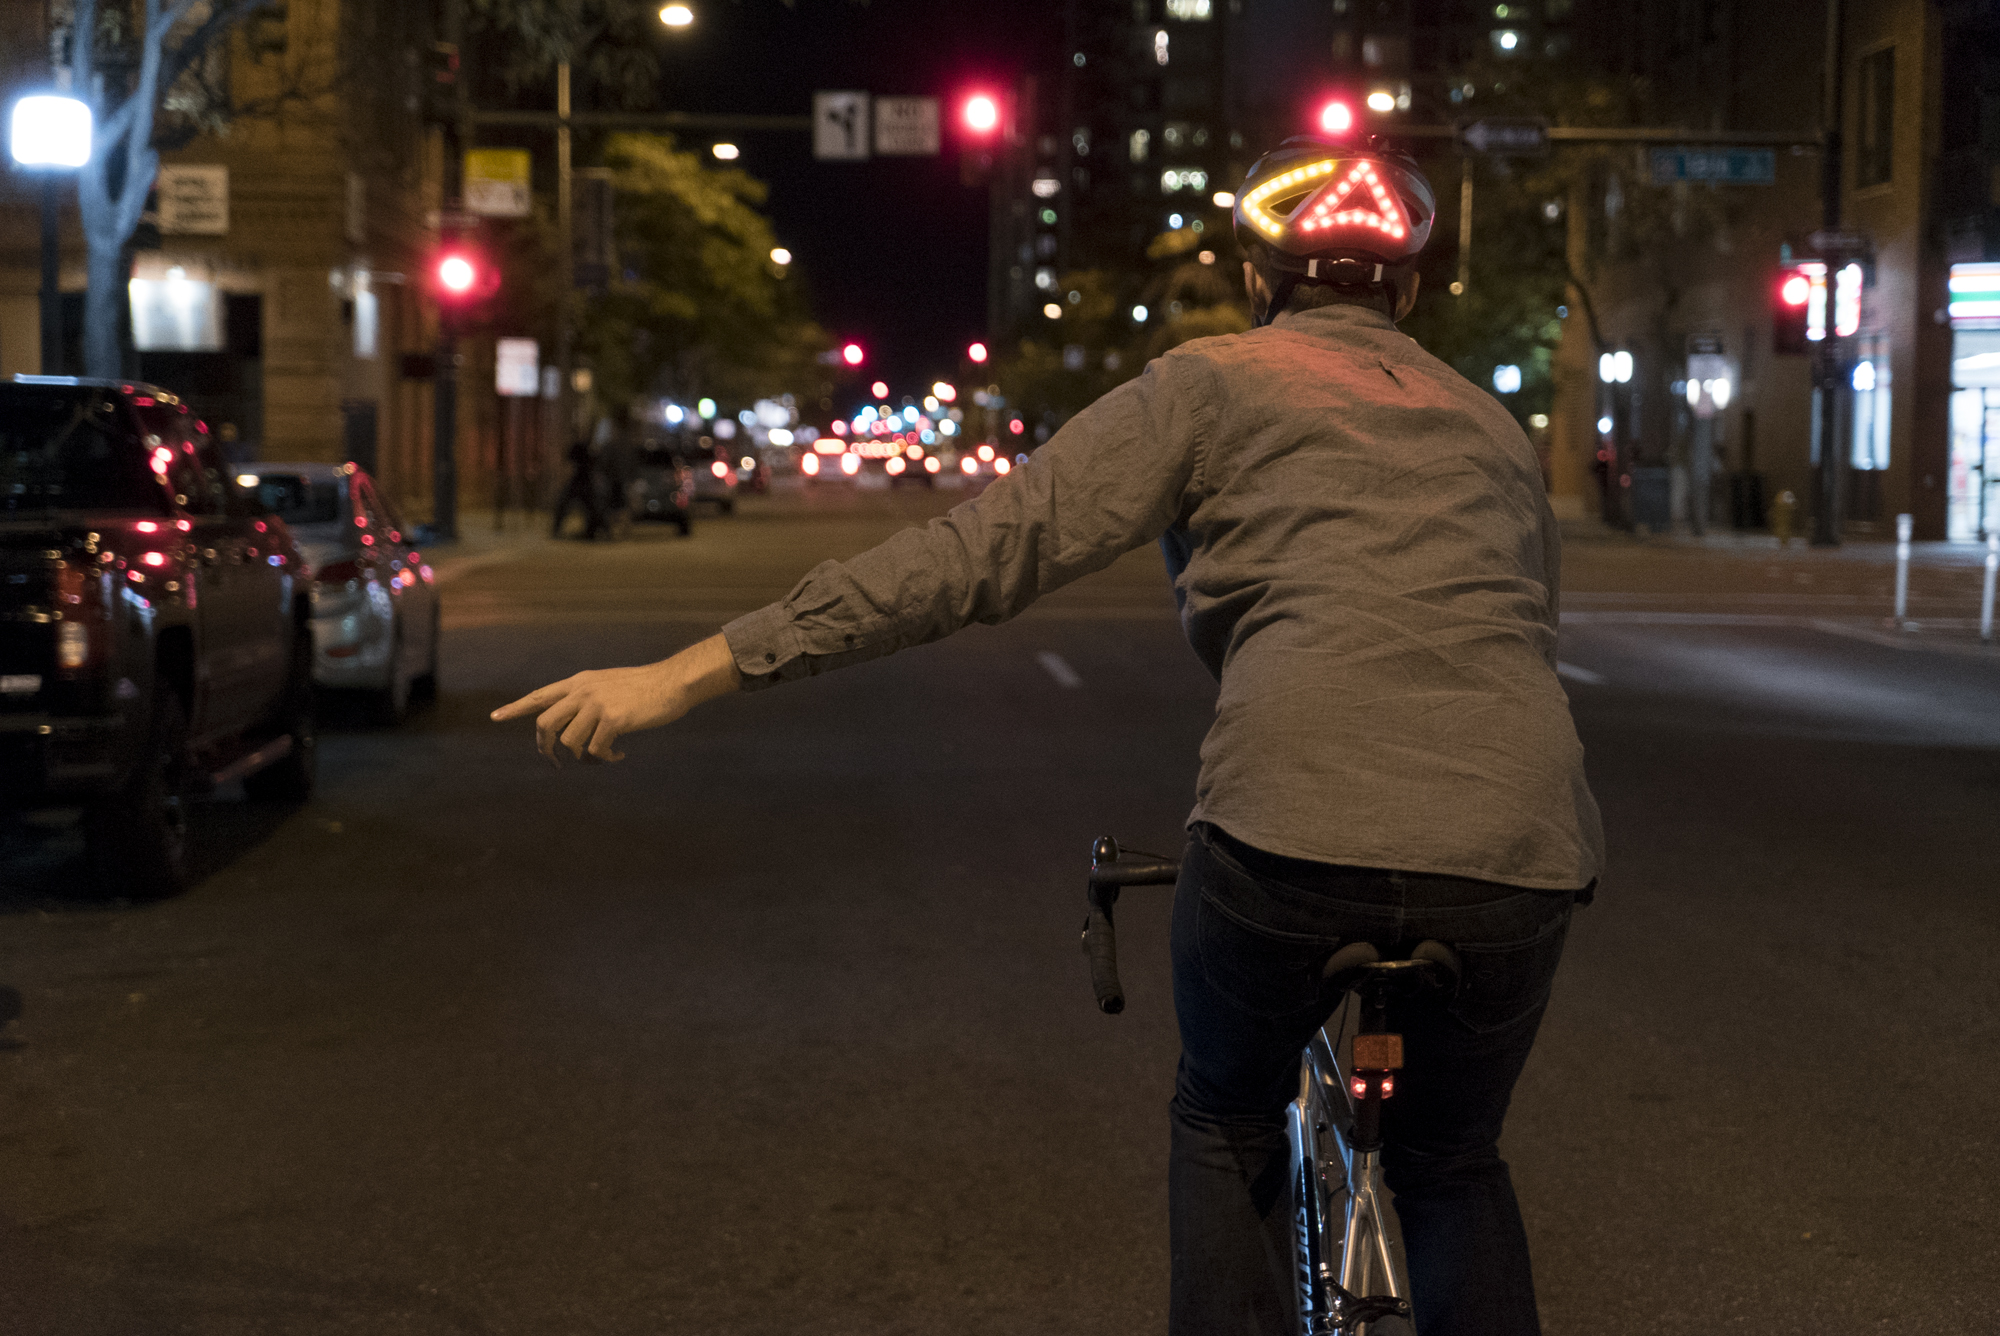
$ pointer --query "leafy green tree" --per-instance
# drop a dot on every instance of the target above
(696, 307)
(1631, 240)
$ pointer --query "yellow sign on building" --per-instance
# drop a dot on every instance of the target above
(496, 182)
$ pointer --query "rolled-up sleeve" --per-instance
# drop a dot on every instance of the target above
(1114, 478)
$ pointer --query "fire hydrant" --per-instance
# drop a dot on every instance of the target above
(1782, 511)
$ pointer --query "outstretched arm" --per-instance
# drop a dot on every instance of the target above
(589, 711)
(1115, 477)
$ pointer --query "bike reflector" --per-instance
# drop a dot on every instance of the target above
(1378, 1052)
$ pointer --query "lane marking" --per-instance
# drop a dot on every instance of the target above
(1583, 675)
(1059, 669)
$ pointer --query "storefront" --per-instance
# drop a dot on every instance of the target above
(1974, 498)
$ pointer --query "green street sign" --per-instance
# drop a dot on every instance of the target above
(1723, 166)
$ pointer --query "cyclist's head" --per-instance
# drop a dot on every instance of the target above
(1349, 217)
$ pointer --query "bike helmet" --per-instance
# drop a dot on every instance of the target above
(1318, 210)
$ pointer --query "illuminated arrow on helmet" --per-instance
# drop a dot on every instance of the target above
(1333, 207)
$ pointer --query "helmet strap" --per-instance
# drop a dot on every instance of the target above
(1281, 296)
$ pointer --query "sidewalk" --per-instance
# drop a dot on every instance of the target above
(479, 545)
(1730, 578)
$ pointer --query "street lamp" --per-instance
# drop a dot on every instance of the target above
(677, 16)
(49, 134)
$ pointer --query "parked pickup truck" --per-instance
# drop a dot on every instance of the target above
(155, 634)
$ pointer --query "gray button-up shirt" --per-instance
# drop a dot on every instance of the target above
(1373, 581)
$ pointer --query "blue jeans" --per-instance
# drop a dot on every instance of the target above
(1251, 933)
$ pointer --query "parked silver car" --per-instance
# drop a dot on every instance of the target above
(375, 607)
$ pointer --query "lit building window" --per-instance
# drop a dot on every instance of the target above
(175, 313)
(1183, 178)
(1194, 11)
(1142, 144)
(1160, 46)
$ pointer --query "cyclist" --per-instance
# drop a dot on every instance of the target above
(1366, 561)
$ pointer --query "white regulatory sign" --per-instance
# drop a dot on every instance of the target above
(840, 126)
(906, 126)
(515, 373)
(193, 200)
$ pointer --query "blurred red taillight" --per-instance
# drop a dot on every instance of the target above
(338, 572)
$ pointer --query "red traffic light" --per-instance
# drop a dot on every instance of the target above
(460, 275)
(456, 274)
(1336, 117)
(981, 113)
(851, 354)
(977, 352)
(1795, 290)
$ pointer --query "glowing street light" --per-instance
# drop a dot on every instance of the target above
(677, 16)
(51, 134)
(725, 152)
(780, 256)
(49, 130)
(1382, 100)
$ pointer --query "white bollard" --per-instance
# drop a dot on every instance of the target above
(1904, 525)
(1986, 595)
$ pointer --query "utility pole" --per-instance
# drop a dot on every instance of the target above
(51, 294)
(1828, 360)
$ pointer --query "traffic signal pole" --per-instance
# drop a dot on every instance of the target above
(1831, 356)
(444, 375)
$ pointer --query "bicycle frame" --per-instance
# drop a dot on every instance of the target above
(1335, 1122)
(1350, 1243)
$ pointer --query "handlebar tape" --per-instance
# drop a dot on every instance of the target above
(1100, 944)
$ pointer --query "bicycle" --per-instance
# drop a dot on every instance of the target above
(1352, 1277)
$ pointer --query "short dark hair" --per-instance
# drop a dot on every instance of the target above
(1310, 295)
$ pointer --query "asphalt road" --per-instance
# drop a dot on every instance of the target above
(780, 1025)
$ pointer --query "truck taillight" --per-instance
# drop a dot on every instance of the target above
(72, 645)
(77, 637)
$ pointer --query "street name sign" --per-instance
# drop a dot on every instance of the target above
(840, 126)
(1506, 137)
(496, 183)
(1720, 165)
(906, 126)
(194, 200)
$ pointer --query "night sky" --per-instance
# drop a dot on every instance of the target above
(894, 249)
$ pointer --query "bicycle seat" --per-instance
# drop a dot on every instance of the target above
(1359, 963)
